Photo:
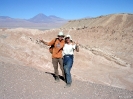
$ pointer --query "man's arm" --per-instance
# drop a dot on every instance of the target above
(48, 43)
(43, 42)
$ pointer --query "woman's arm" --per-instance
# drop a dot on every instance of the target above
(77, 47)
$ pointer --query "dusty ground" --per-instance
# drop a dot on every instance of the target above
(24, 82)
(105, 59)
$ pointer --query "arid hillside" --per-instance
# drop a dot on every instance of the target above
(106, 49)
(112, 34)
(113, 21)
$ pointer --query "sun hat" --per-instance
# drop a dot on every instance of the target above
(68, 36)
(60, 34)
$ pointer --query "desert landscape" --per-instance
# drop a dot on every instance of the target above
(103, 69)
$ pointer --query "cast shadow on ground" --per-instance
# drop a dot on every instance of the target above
(61, 77)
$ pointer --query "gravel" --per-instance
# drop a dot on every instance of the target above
(24, 82)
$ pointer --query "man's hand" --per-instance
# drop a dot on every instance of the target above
(41, 40)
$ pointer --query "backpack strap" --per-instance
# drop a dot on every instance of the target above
(52, 46)
(55, 41)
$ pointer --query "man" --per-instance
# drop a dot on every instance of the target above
(57, 54)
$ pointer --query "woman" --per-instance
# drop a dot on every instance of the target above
(68, 51)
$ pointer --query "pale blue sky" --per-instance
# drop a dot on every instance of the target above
(67, 9)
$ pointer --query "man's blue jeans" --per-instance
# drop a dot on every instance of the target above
(68, 62)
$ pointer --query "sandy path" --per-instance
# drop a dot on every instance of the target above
(22, 82)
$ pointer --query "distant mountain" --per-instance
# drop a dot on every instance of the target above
(38, 21)
(55, 18)
(41, 18)
(4, 17)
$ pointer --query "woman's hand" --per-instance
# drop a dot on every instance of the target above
(77, 46)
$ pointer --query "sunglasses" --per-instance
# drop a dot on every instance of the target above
(67, 38)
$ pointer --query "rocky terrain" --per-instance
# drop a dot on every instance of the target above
(105, 57)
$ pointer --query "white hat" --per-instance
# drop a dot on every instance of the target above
(68, 36)
(60, 34)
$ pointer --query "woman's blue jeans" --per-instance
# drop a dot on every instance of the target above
(68, 62)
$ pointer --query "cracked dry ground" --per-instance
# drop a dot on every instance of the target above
(23, 82)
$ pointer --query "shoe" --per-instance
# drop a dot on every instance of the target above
(57, 79)
(63, 78)
(67, 86)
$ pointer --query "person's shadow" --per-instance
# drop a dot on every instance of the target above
(61, 77)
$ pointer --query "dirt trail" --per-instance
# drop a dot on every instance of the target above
(23, 82)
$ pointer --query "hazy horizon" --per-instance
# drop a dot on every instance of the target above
(67, 9)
